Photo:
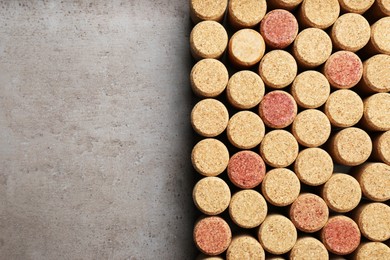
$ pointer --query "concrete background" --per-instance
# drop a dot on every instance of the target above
(94, 130)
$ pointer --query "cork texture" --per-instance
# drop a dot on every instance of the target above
(384, 6)
(372, 251)
(309, 248)
(381, 146)
(206, 257)
(354, 6)
(201, 10)
(246, 13)
(374, 221)
(376, 74)
(380, 36)
(376, 114)
(245, 247)
(374, 179)
(319, 13)
(284, 4)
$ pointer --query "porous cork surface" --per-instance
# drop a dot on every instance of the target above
(280, 187)
(372, 251)
(374, 179)
(381, 146)
(354, 6)
(374, 221)
(245, 247)
(209, 78)
(319, 13)
(209, 117)
(245, 89)
(312, 47)
(201, 10)
(284, 4)
(246, 14)
(246, 169)
(309, 248)
(376, 114)
(279, 148)
(313, 166)
(380, 37)
(206, 257)
(248, 208)
(384, 6)
(245, 130)
(277, 234)
(376, 74)
(211, 195)
(311, 128)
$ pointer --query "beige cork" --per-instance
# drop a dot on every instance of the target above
(201, 10)
(372, 251)
(209, 78)
(246, 48)
(351, 146)
(209, 117)
(280, 187)
(245, 130)
(376, 74)
(344, 108)
(319, 13)
(208, 39)
(278, 69)
(353, 6)
(245, 89)
(245, 247)
(376, 115)
(380, 36)
(313, 166)
(311, 128)
(380, 9)
(312, 47)
(309, 248)
(277, 234)
(284, 4)
(381, 146)
(246, 14)
(248, 208)
(206, 257)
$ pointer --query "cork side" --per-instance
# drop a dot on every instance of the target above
(284, 4)
(376, 115)
(246, 14)
(376, 74)
(206, 257)
(374, 221)
(380, 38)
(354, 6)
(245, 247)
(319, 13)
(309, 248)
(374, 179)
(201, 10)
(381, 146)
(372, 250)
(384, 6)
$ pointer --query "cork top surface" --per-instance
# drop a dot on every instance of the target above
(374, 179)
(245, 89)
(380, 36)
(246, 47)
(288, 4)
(372, 250)
(320, 13)
(383, 147)
(374, 221)
(354, 6)
(245, 247)
(384, 6)
(206, 257)
(376, 111)
(208, 9)
(248, 13)
(309, 248)
(376, 72)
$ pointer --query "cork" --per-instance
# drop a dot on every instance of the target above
(245, 130)
(211, 195)
(380, 38)
(351, 146)
(309, 248)
(313, 166)
(310, 89)
(206, 257)
(245, 89)
(379, 9)
(280, 187)
(340, 235)
(212, 235)
(279, 28)
(246, 169)
(311, 128)
(353, 6)
(381, 146)
(278, 109)
(209, 78)
(277, 234)
(208, 39)
(342, 192)
(376, 74)
(246, 14)
(376, 114)
(279, 148)
(312, 47)
(372, 251)
(284, 4)
(209, 117)
(344, 108)
(248, 208)
(318, 13)
(278, 69)
(374, 179)
(343, 69)
(210, 157)
(201, 10)
(245, 247)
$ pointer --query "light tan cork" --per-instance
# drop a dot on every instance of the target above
(376, 115)
(206, 257)
(379, 9)
(209, 117)
(380, 36)
(209, 78)
(246, 14)
(381, 146)
(351, 146)
(313, 166)
(245, 89)
(372, 251)
(280, 187)
(284, 4)
(277, 234)
(319, 13)
(208, 39)
(245, 247)
(245, 130)
(353, 6)
(344, 108)
(309, 248)
(248, 208)
(312, 47)
(201, 10)
(278, 69)
(376, 74)
(311, 128)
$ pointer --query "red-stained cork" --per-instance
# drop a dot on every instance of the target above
(246, 169)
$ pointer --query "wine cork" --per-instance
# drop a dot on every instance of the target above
(380, 38)
(313, 166)
(245, 247)
(211, 195)
(248, 208)
(279, 28)
(201, 10)
(245, 14)
(353, 6)
(206, 257)
(372, 251)
(343, 69)
(374, 179)
(311, 128)
(340, 235)
(284, 4)
(342, 192)
(208, 39)
(278, 69)
(280, 187)
(309, 248)
(350, 32)
(209, 117)
(351, 146)
(246, 48)
(312, 47)
(381, 146)
(277, 234)
(212, 235)
(209, 78)
(344, 108)
(309, 212)
(379, 9)
(376, 115)
(376, 74)
(245, 89)
(246, 169)
(245, 130)
(319, 13)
